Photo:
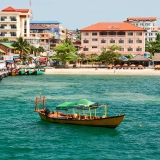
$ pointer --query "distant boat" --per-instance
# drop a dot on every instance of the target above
(21, 72)
(29, 72)
(81, 105)
(37, 72)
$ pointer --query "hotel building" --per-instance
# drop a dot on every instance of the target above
(129, 37)
(12, 22)
(148, 23)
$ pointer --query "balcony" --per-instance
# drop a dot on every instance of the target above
(7, 27)
(7, 20)
(7, 35)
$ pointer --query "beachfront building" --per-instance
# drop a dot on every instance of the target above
(129, 37)
(44, 36)
(148, 23)
(12, 23)
(7, 51)
(53, 26)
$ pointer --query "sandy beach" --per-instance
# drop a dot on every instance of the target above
(103, 71)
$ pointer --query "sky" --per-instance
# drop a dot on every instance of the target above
(78, 14)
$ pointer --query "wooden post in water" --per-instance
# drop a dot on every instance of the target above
(36, 107)
(43, 101)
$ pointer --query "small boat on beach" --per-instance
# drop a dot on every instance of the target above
(38, 72)
(70, 116)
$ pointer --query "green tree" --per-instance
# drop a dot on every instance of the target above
(4, 40)
(153, 46)
(93, 57)
(81, 57)
(22, 46)
(64, 50)
(110, 55)
(158, 37)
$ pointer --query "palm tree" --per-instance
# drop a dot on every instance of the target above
(22, 46)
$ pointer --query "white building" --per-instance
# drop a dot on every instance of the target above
(148, 23)
(12, 22)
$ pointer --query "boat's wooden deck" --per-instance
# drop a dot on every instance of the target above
(60, 115)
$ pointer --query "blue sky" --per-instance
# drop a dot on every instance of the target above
(75, 14)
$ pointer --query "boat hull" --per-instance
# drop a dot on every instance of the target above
(108, 122)
(22, 72)
(38, 73)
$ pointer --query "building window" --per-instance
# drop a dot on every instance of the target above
(121, 41)
(138, 49)
(103, 33)
(3, 33)
(3, 26)
(85, 33)
(130, 33)
(94, 46)
(85, 49)
(13, 18)
(85, 41)
(103, 41)
(121, 49)
(130, 49)
(13, 26)
(3, 18)
(94, 39)
(112, 41)
(130, 41)
(13, 33)
(139, 33)
(94, 34)
(138, 41)
(146, 34)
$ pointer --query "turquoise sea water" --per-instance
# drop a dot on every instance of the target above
(24, 136)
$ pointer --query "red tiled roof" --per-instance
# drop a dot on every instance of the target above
(142, 18)
(11, 9)
(112, 26)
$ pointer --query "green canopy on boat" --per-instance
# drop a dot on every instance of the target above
(82, 103)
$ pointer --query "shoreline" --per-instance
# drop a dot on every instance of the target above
(102, 71)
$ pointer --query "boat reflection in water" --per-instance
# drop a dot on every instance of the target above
(81, 105)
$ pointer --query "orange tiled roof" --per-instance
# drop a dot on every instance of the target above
(142, 18)
(11, 9)
(113, 26)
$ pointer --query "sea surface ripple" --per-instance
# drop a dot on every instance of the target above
(24, 136)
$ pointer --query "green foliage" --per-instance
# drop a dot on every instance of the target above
(22, 46)
(110, 55)
(65, 50)
(153, 46)
(129, 56)
(4, 40)
(158, 37)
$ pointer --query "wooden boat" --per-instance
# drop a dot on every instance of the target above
(80, 105)
(37, 72)
(29, 72)
(21, 72)
(14, 72)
